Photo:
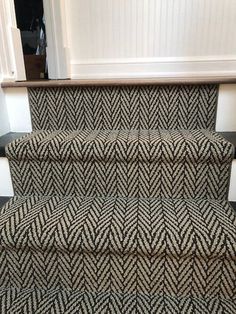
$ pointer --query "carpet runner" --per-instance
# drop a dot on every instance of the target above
(120, 205)
(134, 163)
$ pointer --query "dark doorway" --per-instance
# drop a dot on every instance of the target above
(30, 21)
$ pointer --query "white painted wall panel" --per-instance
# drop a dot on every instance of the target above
(150, 28)
(18, 109)
(4, 122)
(226, 112)
(6, 188)
(232, 188)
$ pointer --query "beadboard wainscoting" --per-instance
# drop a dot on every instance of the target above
(129, 38)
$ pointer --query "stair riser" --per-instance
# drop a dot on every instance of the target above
(124, 107)
(135, 179)
(119, 273)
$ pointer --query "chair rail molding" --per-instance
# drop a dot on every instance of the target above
(56, 31)
(11, 54)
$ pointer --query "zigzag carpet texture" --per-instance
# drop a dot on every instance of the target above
(145, 163)
(67, 302)
(121, 205)
(124, 107)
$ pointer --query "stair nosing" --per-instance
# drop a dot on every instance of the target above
(9, 137)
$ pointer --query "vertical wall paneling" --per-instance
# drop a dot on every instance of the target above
(151, 37)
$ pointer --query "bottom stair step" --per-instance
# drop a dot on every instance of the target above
(120, 245)
(36, 301)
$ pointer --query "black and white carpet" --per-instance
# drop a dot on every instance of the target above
(120, 205)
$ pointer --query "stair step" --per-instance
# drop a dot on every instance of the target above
(5, 199)
(37, 301)
(144, 163)
(123, 107)
(122, 245)
(9, 137)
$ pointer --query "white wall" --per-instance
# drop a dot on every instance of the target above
(6, 188)
(129, 38)
(226, 111)
(17, 104)
(4, 120)
(232, 188)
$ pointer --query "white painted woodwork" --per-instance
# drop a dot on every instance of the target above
(232, 188)
(6, 188)
(11, 53)
(111, 29)
(56, 31)
(226, 111)
(4, 121)
(17, 104)
(130, 38)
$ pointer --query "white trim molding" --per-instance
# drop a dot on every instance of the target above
(57, 49)
(18, 109)
(226, 109)
(232, 188)
(11, 54)
(6, 188)
(154, 67)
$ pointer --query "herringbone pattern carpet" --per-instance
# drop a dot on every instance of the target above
(124, 107)
(25, 301)
(120, 245)
(121, 205)
(136, 163)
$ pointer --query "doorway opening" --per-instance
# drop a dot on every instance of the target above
(30, 21)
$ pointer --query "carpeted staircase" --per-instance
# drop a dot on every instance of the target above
(120, 205)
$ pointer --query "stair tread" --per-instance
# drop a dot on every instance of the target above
(37, 301)
(146, 145)
(132, 163)
(9, 137)
(176, 227)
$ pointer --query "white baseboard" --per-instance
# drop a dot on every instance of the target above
(153, 67)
